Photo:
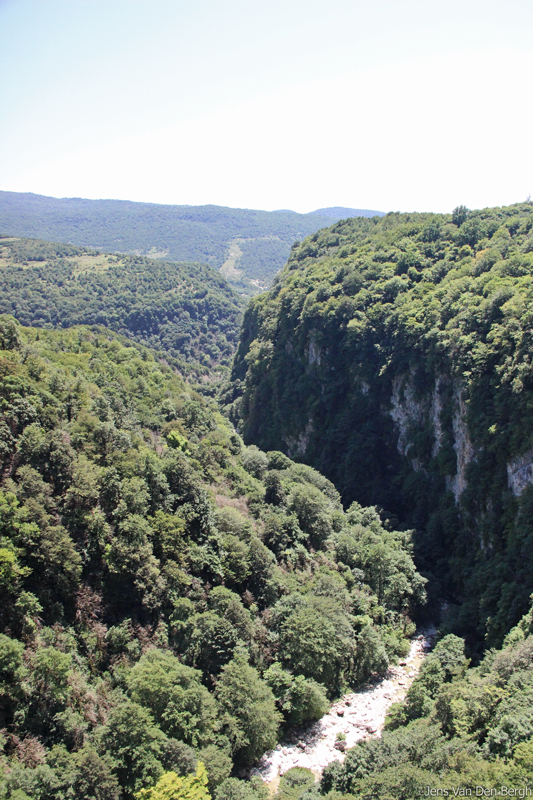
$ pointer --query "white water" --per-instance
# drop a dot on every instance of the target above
(357, 715)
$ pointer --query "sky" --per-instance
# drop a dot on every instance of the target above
(404, 105)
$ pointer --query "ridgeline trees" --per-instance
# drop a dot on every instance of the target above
(186, 310)
(255, 243)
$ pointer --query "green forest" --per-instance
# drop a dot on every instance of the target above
(217, 518)
(186, 310)
(177, 233)
(172, 600)
(394, 355)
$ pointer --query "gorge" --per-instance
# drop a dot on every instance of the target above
(394, 355)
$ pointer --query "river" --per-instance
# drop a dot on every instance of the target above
(358, 715)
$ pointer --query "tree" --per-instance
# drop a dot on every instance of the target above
(212, 643)
(217, 761)
(316, 637)
(94, 777)
(9, 333)
(229, 605)
(171, 787)
(235, 789)
(134, 743)
(255, 461)
(450, 654)
(282, 532)
(248, 710)
(299, 699)
(181, 706)
(311, 509)
(371, 655)
(12, 673)
(294, 783)
(459, 215)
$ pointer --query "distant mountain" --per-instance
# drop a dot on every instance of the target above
(340, 212)
(248, 247)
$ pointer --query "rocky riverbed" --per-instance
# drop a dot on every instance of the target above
(357, 715)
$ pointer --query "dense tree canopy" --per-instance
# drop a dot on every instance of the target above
(174, 601)
(186, 310)
(395, 355)
(169, 596)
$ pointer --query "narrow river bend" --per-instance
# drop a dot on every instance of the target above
(357, 715)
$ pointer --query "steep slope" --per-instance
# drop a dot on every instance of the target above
(395, 355)
(249, 246)
(168, 595)
(187, 310)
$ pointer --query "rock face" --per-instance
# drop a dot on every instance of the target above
(406, 411)
(462, 444)
(411, 413)
(297, 445)
(396, 357)
(355, 716)
(520, 473)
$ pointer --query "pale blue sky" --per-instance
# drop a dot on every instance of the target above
(401, 104)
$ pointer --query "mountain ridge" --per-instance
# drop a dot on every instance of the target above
(202, 234)
(186, 310)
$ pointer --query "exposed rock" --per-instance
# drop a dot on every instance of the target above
(297, 445)
(363, 385)
(436, 412)
(408, 411)
(405, 411)
(520, 473)
(314, 353)
(411, 412)
(462, 444)
(366, 716)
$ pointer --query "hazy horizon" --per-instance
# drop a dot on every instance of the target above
(399, 106)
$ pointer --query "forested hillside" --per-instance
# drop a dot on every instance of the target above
(175, 600)
(250, 246)
(395, 355)
(186, 310)
(170, 597)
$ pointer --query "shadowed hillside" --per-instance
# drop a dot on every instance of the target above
(395, 355)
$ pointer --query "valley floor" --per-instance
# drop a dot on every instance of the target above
(355, 716)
